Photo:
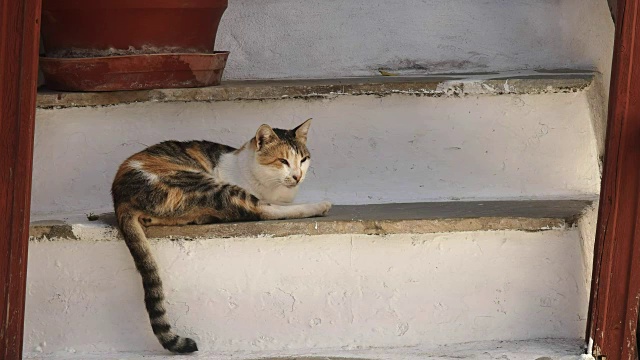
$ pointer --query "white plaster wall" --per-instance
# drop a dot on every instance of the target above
(365, 149)
(589, 33)
(310, 39)
(300, 292)
(587, 227)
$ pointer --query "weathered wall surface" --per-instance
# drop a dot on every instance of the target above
(590, 36)
(311, 39)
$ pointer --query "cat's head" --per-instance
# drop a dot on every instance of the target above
(282, 157)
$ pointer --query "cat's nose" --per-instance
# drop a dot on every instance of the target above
(296, 178)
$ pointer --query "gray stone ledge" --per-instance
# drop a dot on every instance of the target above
(441, 85)
(381, 219)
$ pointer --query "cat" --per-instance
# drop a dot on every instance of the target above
(200, 182)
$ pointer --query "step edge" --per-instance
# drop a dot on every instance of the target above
(377, 219)
(441, 85)
(82, 232)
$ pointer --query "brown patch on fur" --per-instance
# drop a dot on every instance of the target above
(244, 203)
(158, 165)
(271, 155)
(200, 158)
(174, 199)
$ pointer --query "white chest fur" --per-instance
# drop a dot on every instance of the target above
(241, 169)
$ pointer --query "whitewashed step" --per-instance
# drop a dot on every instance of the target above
(512, 136)
(362, 278)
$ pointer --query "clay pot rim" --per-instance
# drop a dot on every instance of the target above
(77, 59)
(134, 72)
(127, 4)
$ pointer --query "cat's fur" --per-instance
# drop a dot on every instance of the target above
(197, 182)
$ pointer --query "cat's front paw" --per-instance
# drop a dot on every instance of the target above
(323, 208)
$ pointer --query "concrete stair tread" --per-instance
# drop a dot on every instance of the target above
(399, 218)
(542, 349)
(437, 85)
(431, 281)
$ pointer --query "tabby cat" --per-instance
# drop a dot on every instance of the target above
(198, 182)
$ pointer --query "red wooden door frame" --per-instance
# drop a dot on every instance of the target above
(19, 40)
(613, 309)
(615, 288)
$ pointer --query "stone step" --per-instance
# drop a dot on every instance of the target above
(513, 136)
(390, 275)
(377, 219)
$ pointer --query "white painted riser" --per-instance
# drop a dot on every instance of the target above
(365, 149)
(311, 292)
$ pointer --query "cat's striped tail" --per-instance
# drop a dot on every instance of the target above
(153, 293)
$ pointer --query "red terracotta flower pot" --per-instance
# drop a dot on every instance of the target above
(102, 31)
(190, 25)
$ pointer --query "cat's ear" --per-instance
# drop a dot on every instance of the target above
(264, 136)
(302, 130)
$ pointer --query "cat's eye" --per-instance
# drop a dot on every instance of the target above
(285, 162)
(304, 159)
